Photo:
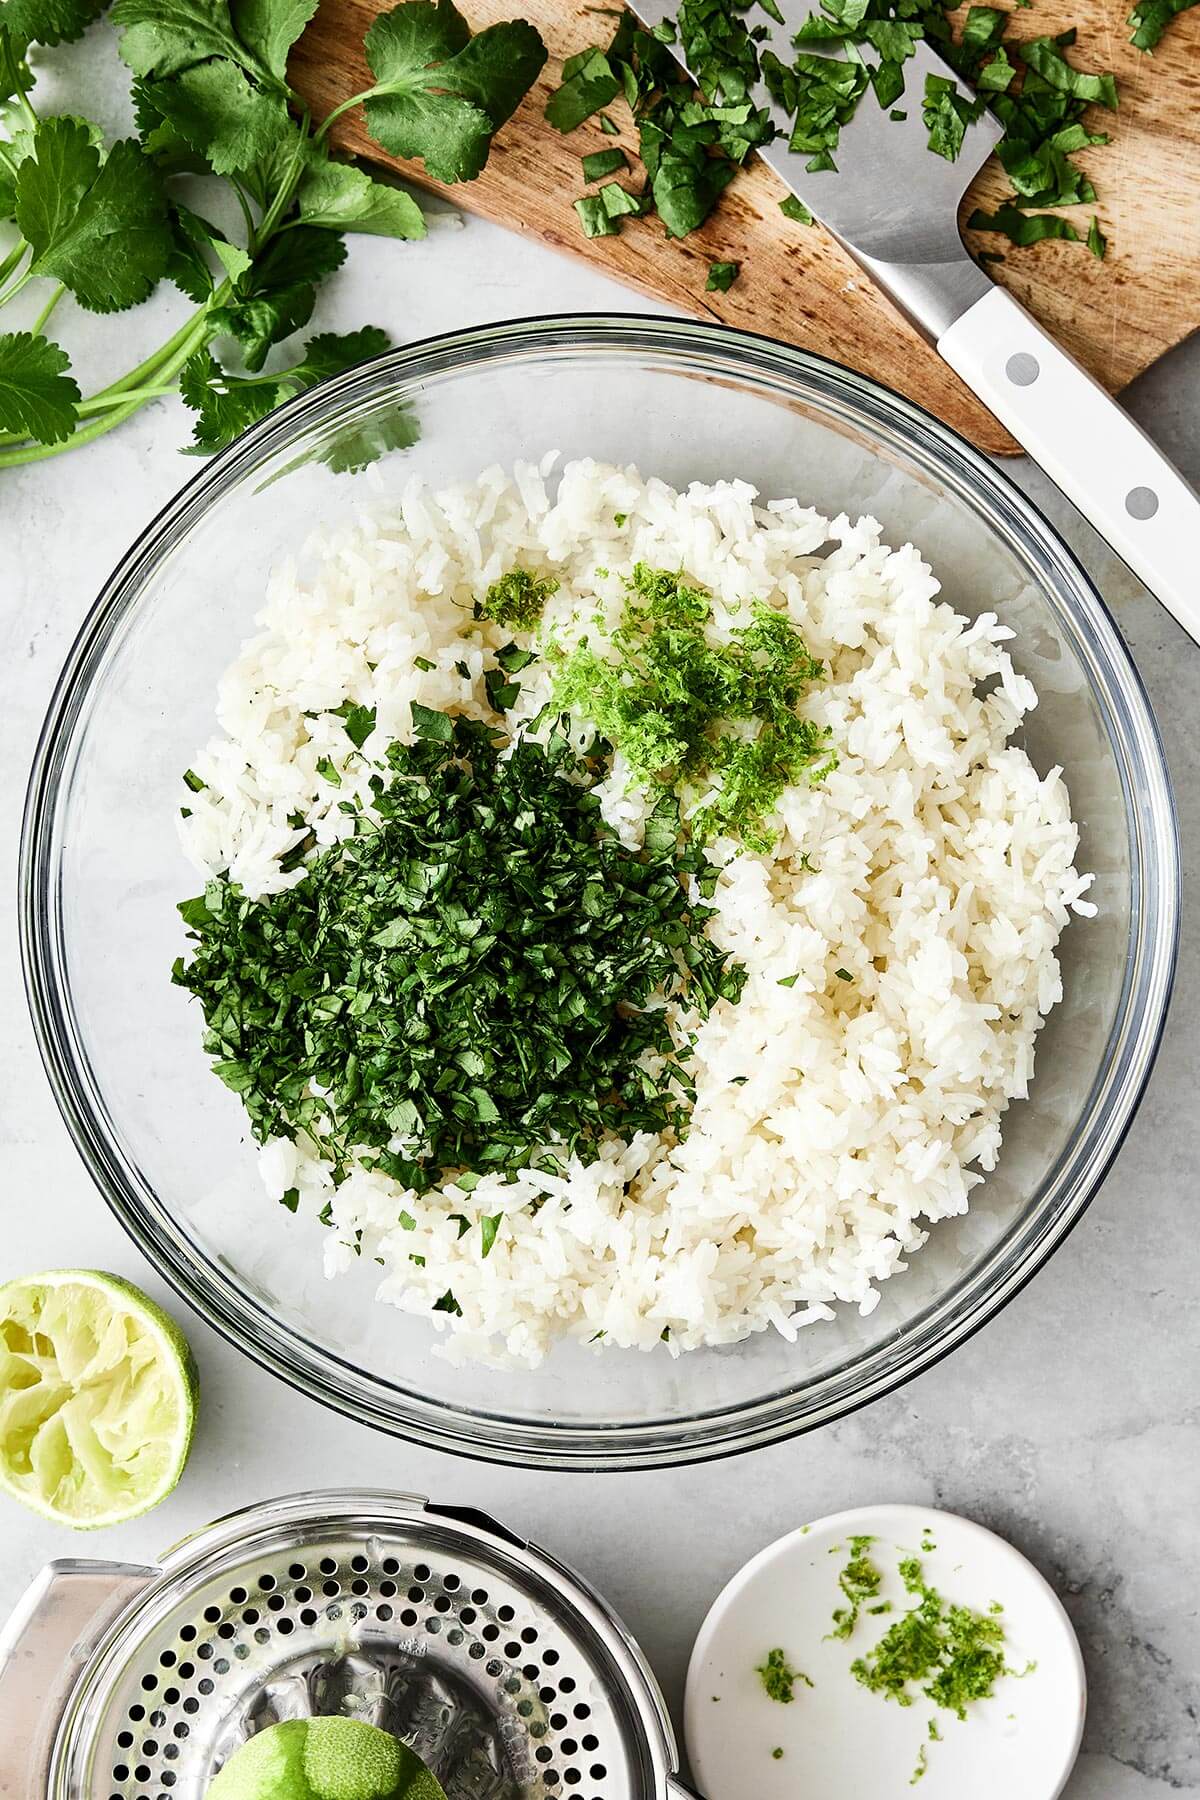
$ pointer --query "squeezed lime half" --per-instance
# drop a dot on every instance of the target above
(324, 1759)
(98, 1395)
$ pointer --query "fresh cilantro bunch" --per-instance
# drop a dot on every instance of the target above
(212, 99)
(693, 142)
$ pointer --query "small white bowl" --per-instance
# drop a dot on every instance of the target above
(838, 1740)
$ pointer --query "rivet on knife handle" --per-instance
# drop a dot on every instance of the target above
(1086, 443)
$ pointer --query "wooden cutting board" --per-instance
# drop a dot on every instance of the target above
(1117, 316)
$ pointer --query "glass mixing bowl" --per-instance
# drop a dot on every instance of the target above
(167, 1144)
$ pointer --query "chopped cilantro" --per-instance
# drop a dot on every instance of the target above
(1023, 228)
(692, 142)
(470, 976)
(603, 162)
(792, 207)
(1097, 243)
(721, 277)
(947, 115)
(1150, 19)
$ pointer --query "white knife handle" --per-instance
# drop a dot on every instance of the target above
(1119, 480)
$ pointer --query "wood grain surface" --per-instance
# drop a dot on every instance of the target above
(1117, 316)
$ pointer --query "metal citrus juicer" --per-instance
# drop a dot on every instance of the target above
(501, 1667)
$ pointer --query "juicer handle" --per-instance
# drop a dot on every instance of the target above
(53, 1629)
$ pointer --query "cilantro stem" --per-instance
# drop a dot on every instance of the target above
(28, 453)
(14, 256)
(145, 371)
(101, 404)
(345, 107)
(287, 188)
(39, 323)
(244, 203)
(9, 69)
(12, 292)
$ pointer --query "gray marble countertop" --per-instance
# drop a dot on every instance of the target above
(1071, 1424)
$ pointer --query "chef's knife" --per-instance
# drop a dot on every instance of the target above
(894, 204)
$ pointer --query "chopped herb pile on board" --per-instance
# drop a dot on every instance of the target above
(213, 105)
(476, 973)
(693, 140)
(675, 704)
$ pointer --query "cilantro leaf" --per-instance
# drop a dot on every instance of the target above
(489, 1225)
(224, 408)
(433, 727)
(329, 353)
(603, 162)
(228, 404)
(1097, 243)
(595, 217)
(721, 277)
(1150, 19)
(588, 83)
(947, 115)
(997, 74)
(360, 723)
(1023, 228)
(1044, 54)
(278, 294)
(794, 208)
(983, 28)
(161, 37)
(101, 228)
(895, 39)
(441, 94)
(37, 396)
(269, 28)
(50, 21)
(217, 112)
(338, 196)
(188, 267)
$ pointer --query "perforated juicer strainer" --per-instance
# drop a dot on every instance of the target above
(502, 1668)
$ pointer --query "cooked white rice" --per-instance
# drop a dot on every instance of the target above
(834, 1119)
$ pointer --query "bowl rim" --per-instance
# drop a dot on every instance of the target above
(485, 1435)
